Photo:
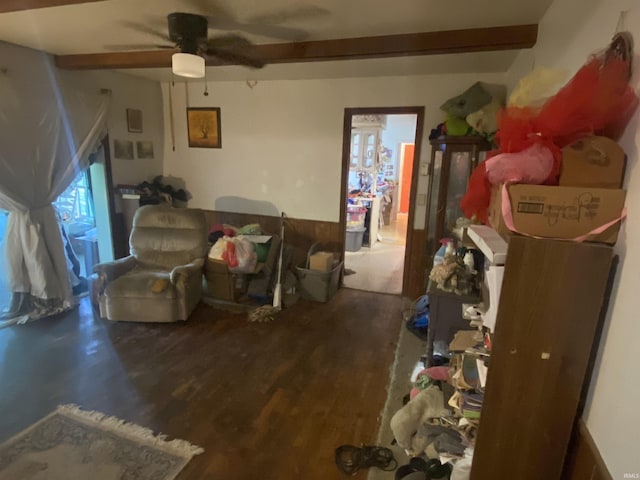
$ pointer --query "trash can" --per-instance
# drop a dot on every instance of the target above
(355, 216)
(354, 238)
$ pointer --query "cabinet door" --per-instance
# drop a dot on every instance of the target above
(459, 173)
(356, 147)
(550, 305)
(370, 150)
(434, 204)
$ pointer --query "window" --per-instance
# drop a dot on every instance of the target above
(75, 205)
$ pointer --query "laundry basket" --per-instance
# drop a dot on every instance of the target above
(315, 285)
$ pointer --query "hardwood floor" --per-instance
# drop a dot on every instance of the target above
(265, 401)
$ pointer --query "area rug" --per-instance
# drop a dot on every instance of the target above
(73, 444)
(408, 352)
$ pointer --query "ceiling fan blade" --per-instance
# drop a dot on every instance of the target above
(221, 19)
(234, 57)
(132, 47)
(271, 31)
(141, 27)
(228, 40)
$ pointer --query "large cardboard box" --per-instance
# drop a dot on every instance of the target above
(593, 162)
(559, 212)
(222, 284)
(322, 261)
(215, 266)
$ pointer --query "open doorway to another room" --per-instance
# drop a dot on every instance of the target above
(379, 193)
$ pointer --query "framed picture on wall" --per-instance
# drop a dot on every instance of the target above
(134, 120)
(203, 127)
(144, 149)
(123, 149)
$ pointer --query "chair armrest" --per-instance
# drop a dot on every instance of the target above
(112, 270)
(185, 271)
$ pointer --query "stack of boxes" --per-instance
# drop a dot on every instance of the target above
(587, 204)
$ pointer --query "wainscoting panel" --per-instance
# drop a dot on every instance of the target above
(584, 461)
(299, 233)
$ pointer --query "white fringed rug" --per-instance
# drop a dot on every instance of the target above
(73, 444)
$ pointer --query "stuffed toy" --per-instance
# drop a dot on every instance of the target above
(429, 403)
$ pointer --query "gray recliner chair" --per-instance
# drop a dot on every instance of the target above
(161, 281)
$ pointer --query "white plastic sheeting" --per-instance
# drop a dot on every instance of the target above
(47, 131)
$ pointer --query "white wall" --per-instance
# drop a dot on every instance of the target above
(569, 32)
(282, 140)
(400, 129)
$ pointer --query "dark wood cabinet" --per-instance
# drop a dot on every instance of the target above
(445, 318)
(551, 303)
(452, 161)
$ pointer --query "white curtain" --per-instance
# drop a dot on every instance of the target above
(47, 132)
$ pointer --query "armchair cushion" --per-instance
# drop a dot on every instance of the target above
(112, 270)
(140, 284)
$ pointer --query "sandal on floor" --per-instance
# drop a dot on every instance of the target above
(350, 459)
(419, 469)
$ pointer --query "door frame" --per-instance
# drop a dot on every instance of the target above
(412, 237)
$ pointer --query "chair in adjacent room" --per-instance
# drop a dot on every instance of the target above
(161, 280)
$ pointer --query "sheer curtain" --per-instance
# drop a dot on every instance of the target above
(47, 132)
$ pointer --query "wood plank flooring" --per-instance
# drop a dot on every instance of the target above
(265, 401)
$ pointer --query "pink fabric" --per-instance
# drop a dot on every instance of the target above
(438, 373)
(532, 165)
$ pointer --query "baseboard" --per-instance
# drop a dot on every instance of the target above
(584, 461)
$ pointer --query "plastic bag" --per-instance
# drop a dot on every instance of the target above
(218, 248)
(250, 229)
(244, 256)
(229, 254)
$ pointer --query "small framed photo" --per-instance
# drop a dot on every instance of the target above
(144, 149)
(203, 127)
(134, 120)
(123, 149)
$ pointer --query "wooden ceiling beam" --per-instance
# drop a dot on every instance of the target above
(19, 5)
(425, 43)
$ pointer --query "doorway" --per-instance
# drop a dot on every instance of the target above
(381, 148)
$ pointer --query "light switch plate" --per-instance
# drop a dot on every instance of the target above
(424, 169)
(422, 199)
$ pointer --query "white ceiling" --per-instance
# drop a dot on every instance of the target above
(100, 26)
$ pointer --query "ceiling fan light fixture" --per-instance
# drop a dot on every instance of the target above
(187, 65)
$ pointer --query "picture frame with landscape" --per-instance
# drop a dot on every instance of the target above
(203, 127)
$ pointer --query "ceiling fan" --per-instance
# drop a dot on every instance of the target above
(189, 34)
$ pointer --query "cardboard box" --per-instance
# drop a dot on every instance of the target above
(222, 284)
(225, 286)
(321, 261)
(559, 212)
(593, 162)
(215, 266)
